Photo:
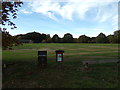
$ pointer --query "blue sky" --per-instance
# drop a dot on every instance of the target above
(78, 17)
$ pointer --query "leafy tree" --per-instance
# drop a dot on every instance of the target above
(101, 38)
(117, 36)
(60, 40)
(43, 41)
(92, 40)
(9, 40)
(111, 39)
(8, 10)
(34, 36)
(44, 37)
(68, 38)
(55, 38)
(48, 38)
(84, 39)
(76, 40)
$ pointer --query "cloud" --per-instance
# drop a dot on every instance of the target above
(70, 0)
(78, 7)
(25, 11)
(51, 15)
(115, 22)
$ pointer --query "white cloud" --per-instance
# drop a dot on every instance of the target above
(107, 12)
(79, 7)
(115, 22)
(25, 11)
(51, 15)
(71, 0)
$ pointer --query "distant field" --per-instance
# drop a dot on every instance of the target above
(25, 73)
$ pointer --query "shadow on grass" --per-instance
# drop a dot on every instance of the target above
(27, 74)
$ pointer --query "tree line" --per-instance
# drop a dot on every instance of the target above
(37, 37)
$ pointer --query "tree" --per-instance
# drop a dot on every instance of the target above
(44, 36)
(111, 39)
(48, 38)
(76, 40)
(68, 38)
(55, 38)
(101, 38)
(9, 40)
(34, 36)
(84, 39)
(9, 9)
(92, 40)
(19, 37)
(117, 36)
(43, 41)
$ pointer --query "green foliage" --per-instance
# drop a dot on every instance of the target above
(76, 40)
(9, 10)
(8, 40)
(92, 40)
(44, 36)
(43, 41)
(111, 39)
(35, 36)
(68, 38)
(84, 39)
(49, 40)
(117, 36)
(55, 38)
(101, 38)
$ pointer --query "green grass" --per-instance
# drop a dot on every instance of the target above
(26, 74)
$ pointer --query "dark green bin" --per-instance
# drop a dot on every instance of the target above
(42, 58)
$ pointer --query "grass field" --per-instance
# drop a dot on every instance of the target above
(26, 74)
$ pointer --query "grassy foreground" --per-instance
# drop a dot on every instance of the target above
(25, 73)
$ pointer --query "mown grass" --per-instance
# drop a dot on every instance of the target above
(26, 74)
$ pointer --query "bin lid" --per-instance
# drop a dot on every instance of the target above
(59, 51)
(42, 52)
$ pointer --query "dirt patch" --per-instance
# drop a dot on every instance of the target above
(94, 57)
(104, 47)
(98, 61)
(93, 49)
(41, 49)
(85, 49)
(85, 53)
(50, 50)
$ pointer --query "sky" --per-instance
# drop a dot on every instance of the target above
(78, 17)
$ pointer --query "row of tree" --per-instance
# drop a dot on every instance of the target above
(68, 38)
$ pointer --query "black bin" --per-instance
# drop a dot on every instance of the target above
(42, 58)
